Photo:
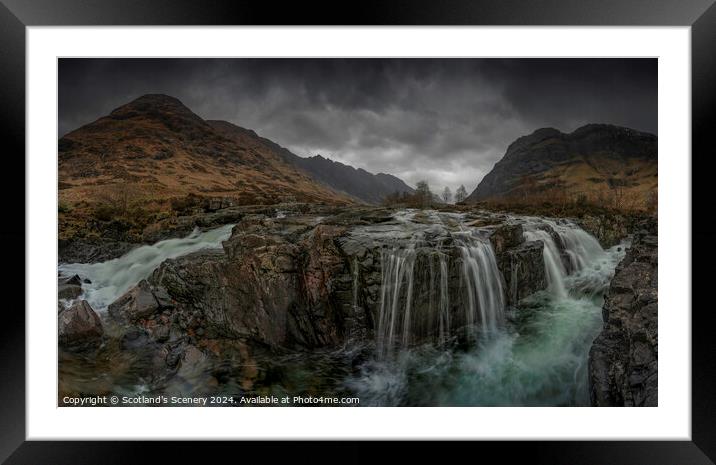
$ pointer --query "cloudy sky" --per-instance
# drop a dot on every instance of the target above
(444, 120)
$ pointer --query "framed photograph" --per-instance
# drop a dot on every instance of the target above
(418, 223)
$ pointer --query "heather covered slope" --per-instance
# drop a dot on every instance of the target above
(158, 148)
(136, 174)
(597, 163)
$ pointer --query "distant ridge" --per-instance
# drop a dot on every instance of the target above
(358, 183)
(600, 163)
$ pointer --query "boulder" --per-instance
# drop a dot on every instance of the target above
(69, 288)
(68, 291)
(74, 280)
(623, 358)
(507, 236)
(609, 230)
(164, 300)
(79, 325)
(137, 303)
(523, 270)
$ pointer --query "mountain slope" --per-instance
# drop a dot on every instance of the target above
(358, 183)
(598, 163)
(157, 148)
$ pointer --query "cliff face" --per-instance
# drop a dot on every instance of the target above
(623, 358)
(607, 165)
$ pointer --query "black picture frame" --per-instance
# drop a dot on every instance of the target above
(16, 15)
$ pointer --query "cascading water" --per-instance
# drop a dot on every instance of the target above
(356, 274)
(439, 281)
(537, 356)
(483, 284)
(415, 304)
(577, 247)
(396, 296)
(444, 301)
(111, 279)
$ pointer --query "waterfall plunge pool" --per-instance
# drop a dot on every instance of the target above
(533, 355)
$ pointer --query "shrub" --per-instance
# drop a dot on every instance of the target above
(63, 207)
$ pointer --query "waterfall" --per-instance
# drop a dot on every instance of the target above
(444, 301)
(553, 266)
(395, 295)
(575, 250)
(483, 284)
(355, 284)
(415, 300)
(111, 279)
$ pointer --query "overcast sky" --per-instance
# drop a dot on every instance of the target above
(444, 120)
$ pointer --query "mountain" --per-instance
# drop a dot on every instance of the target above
(155, 149)
(358, 183)
(372, 188)
(598, 163)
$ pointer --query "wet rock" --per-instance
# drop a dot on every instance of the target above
(160, 333)
(79, 325)
(522, 268)
(609, 230)
(134, 338)
(74, 280)
(163, 298)
(137, 303)
(279, 283)
(68, 291)
(193, 363)
(91, 250)
(69, 288)
(623, 358)
(507, 236)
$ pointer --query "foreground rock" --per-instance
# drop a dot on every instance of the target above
(137, 303)
(79, 326)
(69, 288)
(307, 281)
(310, 284)
(623, 358)
(114, 241)
(523, 270)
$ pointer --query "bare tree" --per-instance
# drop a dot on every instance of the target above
(460, 194)
(446, 195)
(424, 195)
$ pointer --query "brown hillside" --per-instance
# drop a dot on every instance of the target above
(603, 165)
(157, 148)
(153, 159)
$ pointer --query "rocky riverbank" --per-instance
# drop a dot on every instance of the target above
(337, 286)
(98, 241)
(623, 358)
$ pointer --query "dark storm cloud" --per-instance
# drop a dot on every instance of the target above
(445, 120)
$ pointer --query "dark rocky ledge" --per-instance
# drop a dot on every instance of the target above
(623, 358)
(302, 282)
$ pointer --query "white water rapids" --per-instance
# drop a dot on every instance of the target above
(111, 279)
(580, 249)
(538, 358)
(444, 334)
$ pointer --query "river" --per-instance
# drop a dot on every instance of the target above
(444, 332)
